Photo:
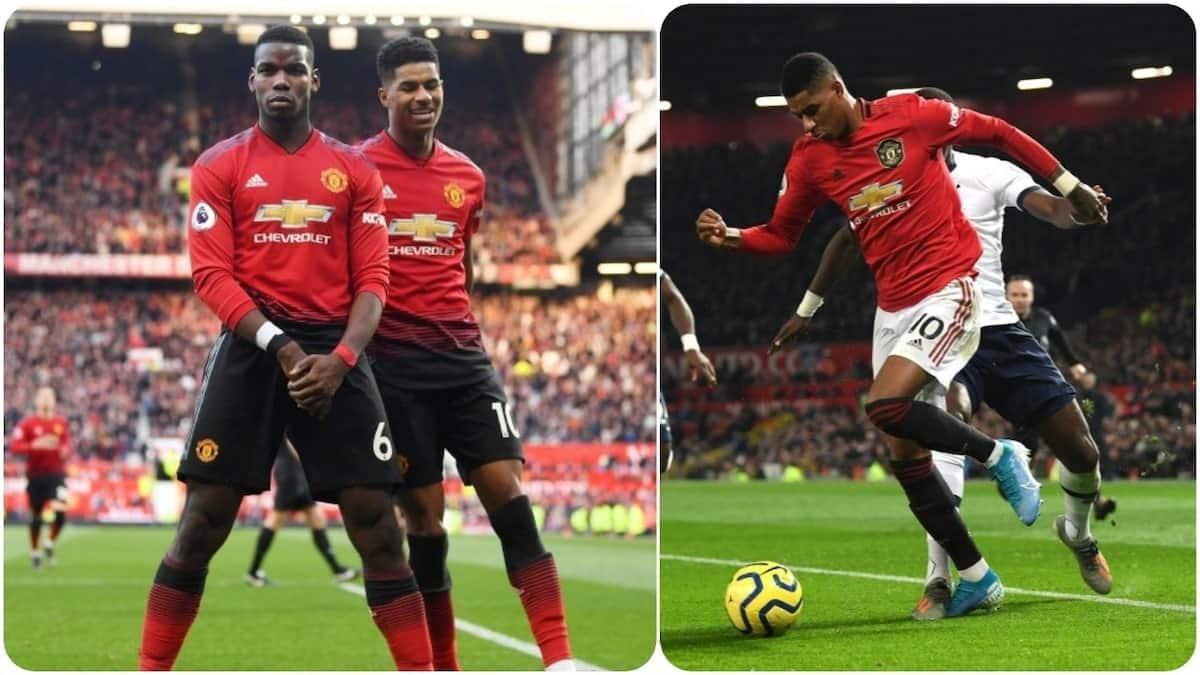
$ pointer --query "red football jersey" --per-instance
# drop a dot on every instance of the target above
(296, 235)
(890, 180)
(31, 431)
(432, 208)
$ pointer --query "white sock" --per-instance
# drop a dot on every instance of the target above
(565, 666)
(975, 572)
(995, 456)
(939, 561)
(1079, 493)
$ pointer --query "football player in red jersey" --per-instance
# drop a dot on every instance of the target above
(438, 383)
(45, 439)
(288, 248)
(881, 163)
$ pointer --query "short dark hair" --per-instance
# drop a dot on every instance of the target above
(1019, 277)
(934, 92)
(288, 35)
(803, 71)
(398, 52)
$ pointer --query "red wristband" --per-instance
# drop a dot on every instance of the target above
(346, 354)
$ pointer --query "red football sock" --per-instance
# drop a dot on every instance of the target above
(541, 595)
(173, 604)
(397, 609)
(440, 613)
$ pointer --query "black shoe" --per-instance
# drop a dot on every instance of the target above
(1104, 507)
(345, 575)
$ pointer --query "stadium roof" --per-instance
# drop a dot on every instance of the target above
(612, 15)
(716, 58)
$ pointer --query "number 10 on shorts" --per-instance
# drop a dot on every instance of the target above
(504, 419)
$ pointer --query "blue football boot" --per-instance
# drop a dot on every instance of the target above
(987, 593)
(1016, 482)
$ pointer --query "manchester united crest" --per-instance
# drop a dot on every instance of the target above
(455, 195)
(334, 180)
(206, 450)
(890, 152)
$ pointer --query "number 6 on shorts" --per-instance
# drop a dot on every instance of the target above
(381, 445)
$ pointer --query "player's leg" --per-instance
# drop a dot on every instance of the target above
(665, 453)
(1067, 434)
(266, 535)
(59, 506)
(317, 524)
(413, 418)
(1031, 393)
(424, 507)
(480, 433)
(208, 514)
(237, 427)
(938, 578)
(531, 569)
(349, 458)
(934, 340)
(37, 503)
(392, 593)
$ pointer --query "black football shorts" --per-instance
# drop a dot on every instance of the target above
(243, 410)
(472, 422)
(43, 489)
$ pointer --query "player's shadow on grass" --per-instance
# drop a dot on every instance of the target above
(717, 636)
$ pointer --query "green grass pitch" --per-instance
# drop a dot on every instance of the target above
(86, 613)
(859, 622)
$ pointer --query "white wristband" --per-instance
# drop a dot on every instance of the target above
(1066, 183)
(265, 334)
(809, 305)
(690, 343)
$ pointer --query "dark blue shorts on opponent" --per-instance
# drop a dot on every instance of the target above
(1015, 376)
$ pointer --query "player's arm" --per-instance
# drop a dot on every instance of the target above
(469, 234)
(797, 203)
(1055, 210)
(318, 376)
(700, 367)
(1058, 339)
(840, 254)
(210, 249)
(18, 444)
(947, 124)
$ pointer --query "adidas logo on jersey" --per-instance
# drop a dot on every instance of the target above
(916, 342)
(388, 193)
(256, 181)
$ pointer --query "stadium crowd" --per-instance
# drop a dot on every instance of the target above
(1133, 323)
(106, 171)
(578, 368)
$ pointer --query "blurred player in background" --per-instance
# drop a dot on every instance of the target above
(1044, 327)
(439, 386)
(1010, 371)
(44, 438)
(699, 367)
(288, 248)
(292, 496)
(879, 162)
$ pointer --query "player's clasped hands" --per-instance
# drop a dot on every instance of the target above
(1090, 205)
(710, 227)
(314, 380)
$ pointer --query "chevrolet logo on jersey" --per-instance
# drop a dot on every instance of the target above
(294, 214)
(423, 227)
(875, 195)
